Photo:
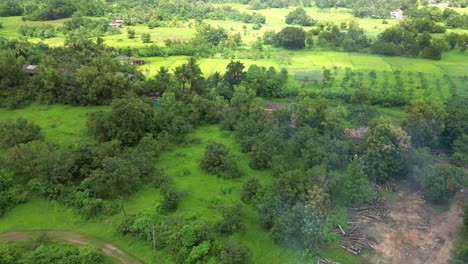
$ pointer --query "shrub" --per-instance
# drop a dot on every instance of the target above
(219, 161)
(170, 198)
(290, 38)
(10, 194)
(146, 38)
(250, 189)
(13, 133)
(232, 252)
(442, 182)
(460, 151)
(357, 188)
(232, 219)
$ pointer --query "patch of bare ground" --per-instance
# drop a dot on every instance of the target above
(412, 232)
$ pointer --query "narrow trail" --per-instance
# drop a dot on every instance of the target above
(75, 238)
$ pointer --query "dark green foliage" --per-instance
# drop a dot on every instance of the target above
(300, 17)
(362, 115)
(42, 31)
(425, 122)
(42, 252)
(11, 74)
(456, 123)
(442, 182)
(357, 188)
(117, 176)
(233, 252)
(211, 35)
(219, 161)
(317, 114)
(83, 175)
(129, 120)
(51, 10)
(412, 39)
(146, 38)
(13, 133)
(131, 33)
(171, 198)
(232, 219)
(267, 82)
(100, 81)
(251, 189)
(235, 73)
(287, 229)
(460, 151)
(290, 38)
(385, 146)
(10, 8)
(10, 194)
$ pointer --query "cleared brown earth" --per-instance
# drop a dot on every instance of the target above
(415, 233)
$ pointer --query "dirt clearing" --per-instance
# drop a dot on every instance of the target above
(413, 232)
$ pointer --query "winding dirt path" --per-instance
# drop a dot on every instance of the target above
(75, 238)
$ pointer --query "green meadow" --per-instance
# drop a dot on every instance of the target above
(60, 124)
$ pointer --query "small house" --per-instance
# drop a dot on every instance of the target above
(118, 22)
(29, 69)
(138, 61)
(396, 14)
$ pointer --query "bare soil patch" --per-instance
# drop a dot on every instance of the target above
(413, 232)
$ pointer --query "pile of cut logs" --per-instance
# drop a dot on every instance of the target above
(354, 241)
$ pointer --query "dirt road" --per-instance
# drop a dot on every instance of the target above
(75, 238)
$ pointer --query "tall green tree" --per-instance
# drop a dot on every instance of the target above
(235, 73)
(456, 123)
(290, 38)
(425, 122)
(385, 146)
(357, 188)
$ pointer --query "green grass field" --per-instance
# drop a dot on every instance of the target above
(60, 124)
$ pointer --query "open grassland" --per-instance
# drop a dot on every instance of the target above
(60, 124)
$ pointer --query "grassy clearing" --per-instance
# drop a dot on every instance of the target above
(59, 123)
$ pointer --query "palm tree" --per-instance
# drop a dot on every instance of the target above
(195, 72)
(183, 75)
